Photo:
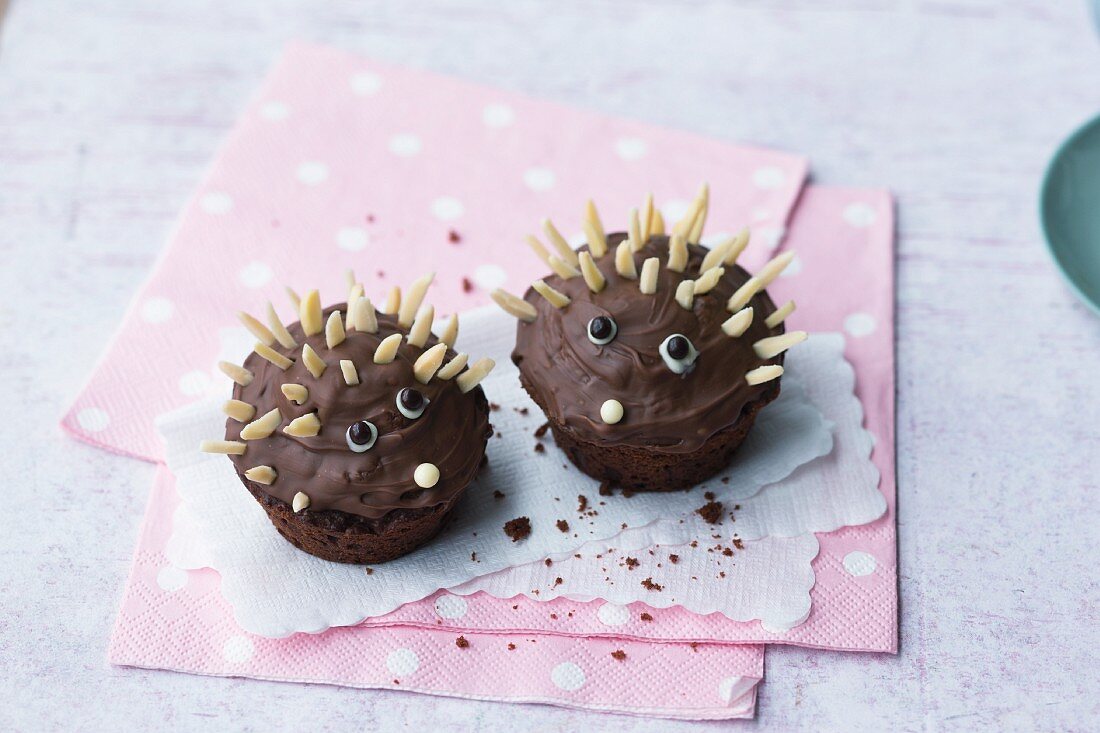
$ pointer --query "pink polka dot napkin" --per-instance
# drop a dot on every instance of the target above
(340, 162)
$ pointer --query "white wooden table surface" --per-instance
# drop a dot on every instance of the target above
(110, 110)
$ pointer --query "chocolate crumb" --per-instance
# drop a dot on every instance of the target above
(521, 410)
(727, 552)
(541, 429)
(548, 562)
(711, 512)
(631, 563)
(582, 502)
(370, 571)
(473, 557)
(518, 528)
(709, 496)
(461, 643)
(511, 646)
(725, 479)
(695, 647)
(618, 654)
(454, 237)
(605, 488)
(467, 286)
(674, 559)
(493, 407)
(648, 584)
(558, 581)
(646, 617)
(563, 525)
(498, 494)
(540, 448)
(554, 616)
(738, 543)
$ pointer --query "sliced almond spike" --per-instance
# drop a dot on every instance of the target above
(562, 268)
(700, 219)
(683, 227)
(780, 315)
(362, 317)
(738, 323)
(273, 356)
(657, 225)
(279, 329)
(299, 502)
(295, 299)
(717, 256)
(513, 306)
(351, 376)
(413, 298)
(739, 243)
(450, 332)
(265, 475)
(257, 329)
(559, 243)
(744, 294)
(635, 231)
(771, 346)
(305, 426)
(677, 252)
(597, 244)
(593, 278)
(296, 393)
(355, 292)
(592, 217)
(238, 374)
(387, 349)
(228, 447)
(310, 313)
(775, 266)
(555, 298)
(645, 217)
(349, 278)
(393, 301)
(685, 294)
(422, 326)
(239, 411)
(314, 363)
(708, 280)
(425, 367)
(759, 375)
(624, 260)
(263, 426)
(647, 281)
(333, 330)
(538, 248)
(473, 376)
(453, 367)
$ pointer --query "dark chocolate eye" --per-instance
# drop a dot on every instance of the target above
(679, 353)
(411, 403)
(361, 436)
(602, 330)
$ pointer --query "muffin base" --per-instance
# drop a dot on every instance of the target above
(639, 468)
(341, 537)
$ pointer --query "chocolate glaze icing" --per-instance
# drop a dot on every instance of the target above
(451, 433)
(570, 376)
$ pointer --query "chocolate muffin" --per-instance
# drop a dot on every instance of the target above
(356, 430)
(649, 354)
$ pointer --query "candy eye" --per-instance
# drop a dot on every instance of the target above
(361, 436)
(679, 354)
(602, 330)
(411, 403)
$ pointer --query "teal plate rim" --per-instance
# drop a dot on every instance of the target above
(1049, 175)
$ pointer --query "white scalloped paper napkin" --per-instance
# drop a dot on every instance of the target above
(277, 590)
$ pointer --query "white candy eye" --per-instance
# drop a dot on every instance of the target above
(361, 436)
(679, 353)
(602, 330)
(411, 403)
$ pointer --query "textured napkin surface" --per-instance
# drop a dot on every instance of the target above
(177, 620)
(277, 590)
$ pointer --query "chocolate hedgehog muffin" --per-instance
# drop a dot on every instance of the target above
(356, 430)
(649, 354)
